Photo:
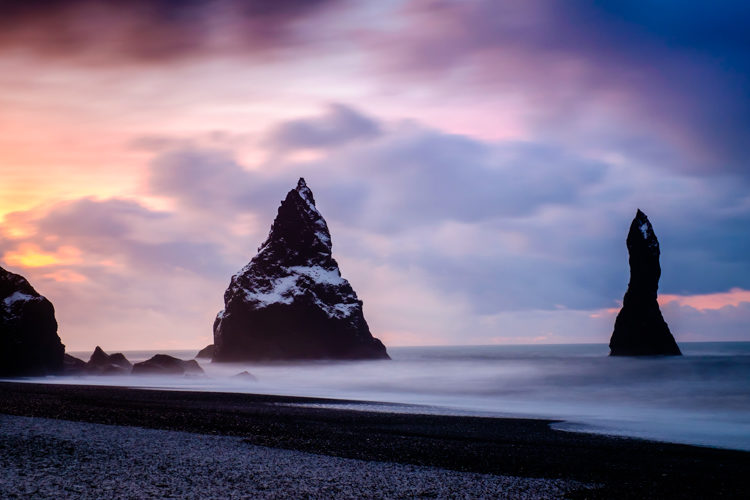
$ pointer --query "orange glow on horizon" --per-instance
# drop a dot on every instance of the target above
(66, 276)
(711, 301)
(30, 255)
(611, 311)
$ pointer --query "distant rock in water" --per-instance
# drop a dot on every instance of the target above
(206, 353)
(73, 365)
(102, 363)
(246, 375)
(640, 329)
(29, 344)
(290, 302)
(162, 364)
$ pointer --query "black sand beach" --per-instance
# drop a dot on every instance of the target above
(624, 468)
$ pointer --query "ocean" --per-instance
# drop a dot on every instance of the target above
(701, 398)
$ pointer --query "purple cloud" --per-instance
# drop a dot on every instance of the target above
(663, 77)
(513, 226)
(433, 177)
(153, 31)
(339, 125)
(118, 230)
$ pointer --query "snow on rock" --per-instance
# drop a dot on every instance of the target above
(29, 344)
(16, 297)
(644, 230)
(290, 301)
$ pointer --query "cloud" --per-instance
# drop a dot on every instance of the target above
(612, 107)
(729, 323)
(212, 182)
(121, 274)
(708, 302)
(433, 177)
(507, 225)
(339, 125)
(148, 31)
(447, 239)
(85, 234)
(663, 82)
(30, 255)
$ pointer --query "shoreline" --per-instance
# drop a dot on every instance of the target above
(626, 467)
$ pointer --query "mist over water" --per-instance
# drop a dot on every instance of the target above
(700, 398)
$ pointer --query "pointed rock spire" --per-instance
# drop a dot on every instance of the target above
(640, 329)
(290, 301)
(299, 234)
(99, 356)
(305, 191)
(29, 344)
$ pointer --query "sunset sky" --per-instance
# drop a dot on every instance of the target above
(478, 162)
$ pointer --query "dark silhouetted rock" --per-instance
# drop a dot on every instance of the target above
(119, 359)
(206, 353)
(102, 363)
(246, 375)
(98, 357)
(640, 329)
(162, 364)
(290, 302)
(29, 344)
(73, 365)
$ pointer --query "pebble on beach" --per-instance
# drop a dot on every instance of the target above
(45, 458)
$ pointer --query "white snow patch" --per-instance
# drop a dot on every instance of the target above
(306, 194)
(344, 310)
(644, 229)
(319, 274)
(323, 237)
(16, 297)
(282, 292)
(339, 311)
(284, 289)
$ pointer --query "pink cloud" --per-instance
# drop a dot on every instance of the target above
(711, 301)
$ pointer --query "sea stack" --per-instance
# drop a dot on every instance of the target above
(640, 329)
(29, 344)
(290, 302)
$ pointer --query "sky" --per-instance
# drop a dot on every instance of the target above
(478, 162)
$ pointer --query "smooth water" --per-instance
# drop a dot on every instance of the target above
(700, 398)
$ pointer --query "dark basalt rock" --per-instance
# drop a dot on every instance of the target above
(73, 365)
(290, 302)
(163, 364)
(102, 363)
(29, 344)
(246, 375)
(98, 357)
(640, 329)
(119, 359)
(206, 353)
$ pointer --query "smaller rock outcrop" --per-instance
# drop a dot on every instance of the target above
(163, 364)
(119, 359)
(73, 365)
(29, 344)
(640, 329)
(246, 375)
(206, 353)
(102, 363)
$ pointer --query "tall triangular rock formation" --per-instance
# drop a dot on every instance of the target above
(290, 302)
(29, 344)
(640, 329)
